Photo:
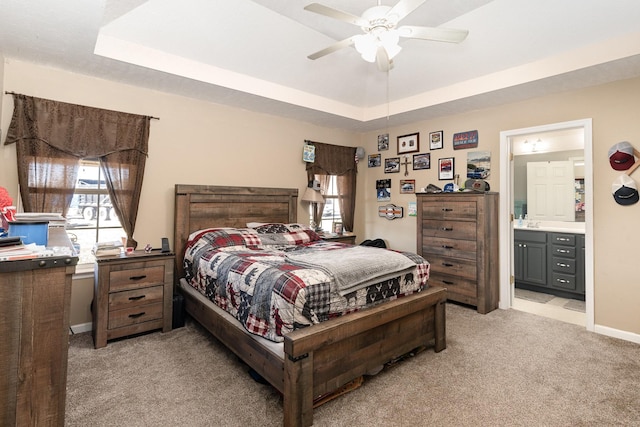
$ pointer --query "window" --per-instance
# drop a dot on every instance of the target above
(331, 212)
(91, 217)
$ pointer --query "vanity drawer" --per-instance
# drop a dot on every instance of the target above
(564, 281)
(563, 251)
(564, 265)
(562, 239)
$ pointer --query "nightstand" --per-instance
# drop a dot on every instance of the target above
(349, 238)
(133, 293)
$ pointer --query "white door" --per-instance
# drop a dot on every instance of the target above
(551, 191)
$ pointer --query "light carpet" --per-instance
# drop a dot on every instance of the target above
(505, 368)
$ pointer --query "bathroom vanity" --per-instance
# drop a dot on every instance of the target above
(549, 258)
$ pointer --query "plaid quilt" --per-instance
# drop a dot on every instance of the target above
(248, 273)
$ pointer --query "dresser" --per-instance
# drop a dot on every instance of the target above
(133, 293)
(35, 297)
(458, 234)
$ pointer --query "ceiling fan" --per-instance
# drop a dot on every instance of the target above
(379, 42)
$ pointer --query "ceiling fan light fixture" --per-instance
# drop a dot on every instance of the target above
(367, 46)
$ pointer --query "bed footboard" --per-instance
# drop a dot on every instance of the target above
(324, 357)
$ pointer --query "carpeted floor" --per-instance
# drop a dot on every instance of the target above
(506, 368)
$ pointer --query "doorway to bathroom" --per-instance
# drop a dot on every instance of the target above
(573, 215)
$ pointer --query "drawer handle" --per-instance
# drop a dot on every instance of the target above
(134, 278)
(446, 209)
(447, 228)
(447, 247)
(135, 316)
(447, 282)
(562, 251)
(562, 281)
(446, 264)
(561, 239)
(136, 298)
(559, 264)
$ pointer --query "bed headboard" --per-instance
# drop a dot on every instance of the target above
(203, 206)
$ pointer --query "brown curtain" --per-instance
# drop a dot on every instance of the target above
(52, 136)
(340, 161)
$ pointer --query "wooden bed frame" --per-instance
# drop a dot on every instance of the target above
(321, 358)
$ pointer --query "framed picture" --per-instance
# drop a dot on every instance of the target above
(407, 186)
(337, 227)
(392, 165)
(421, 161)
(374, 160)
(436, 140)
(383, 142)
(409, 143)
(467, 139)
(446, 168)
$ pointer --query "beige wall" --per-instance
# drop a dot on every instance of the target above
(615, 111)
(202, 143)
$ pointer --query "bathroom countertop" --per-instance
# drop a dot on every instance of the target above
(553, 226)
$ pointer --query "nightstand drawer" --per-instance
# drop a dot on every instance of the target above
(136, 297)
(134, 315)
(120, 280)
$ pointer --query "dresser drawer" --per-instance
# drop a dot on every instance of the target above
(135, 297)
(464, 230)
(449, 247)
(457, 210)
(133, 278)
(133, 315)
(564, 265)
(453, 266)
(458, 288)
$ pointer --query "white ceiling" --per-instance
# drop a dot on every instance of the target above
(252, 54)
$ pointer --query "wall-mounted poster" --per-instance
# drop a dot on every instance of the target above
(446, 168)
(412, 209)
(383, 190)
(392, 165)
(374, 160)
(421, 161)
(467, 139)
(407, 186)
(383, 142)
(309, 153)
(478, 164)
(436, 140)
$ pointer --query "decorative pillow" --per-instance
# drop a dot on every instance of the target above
(270, 228)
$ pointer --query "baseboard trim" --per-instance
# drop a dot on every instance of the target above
(617, 333)
(82, 327)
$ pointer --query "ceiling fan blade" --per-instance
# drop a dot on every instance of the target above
(382, 60)
(335, 14)
(449, 35)
(403, 8)
(336, 46)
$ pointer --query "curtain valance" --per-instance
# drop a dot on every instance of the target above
(83, 132)
(332, 160)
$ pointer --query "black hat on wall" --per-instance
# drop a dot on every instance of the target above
(625, 191)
